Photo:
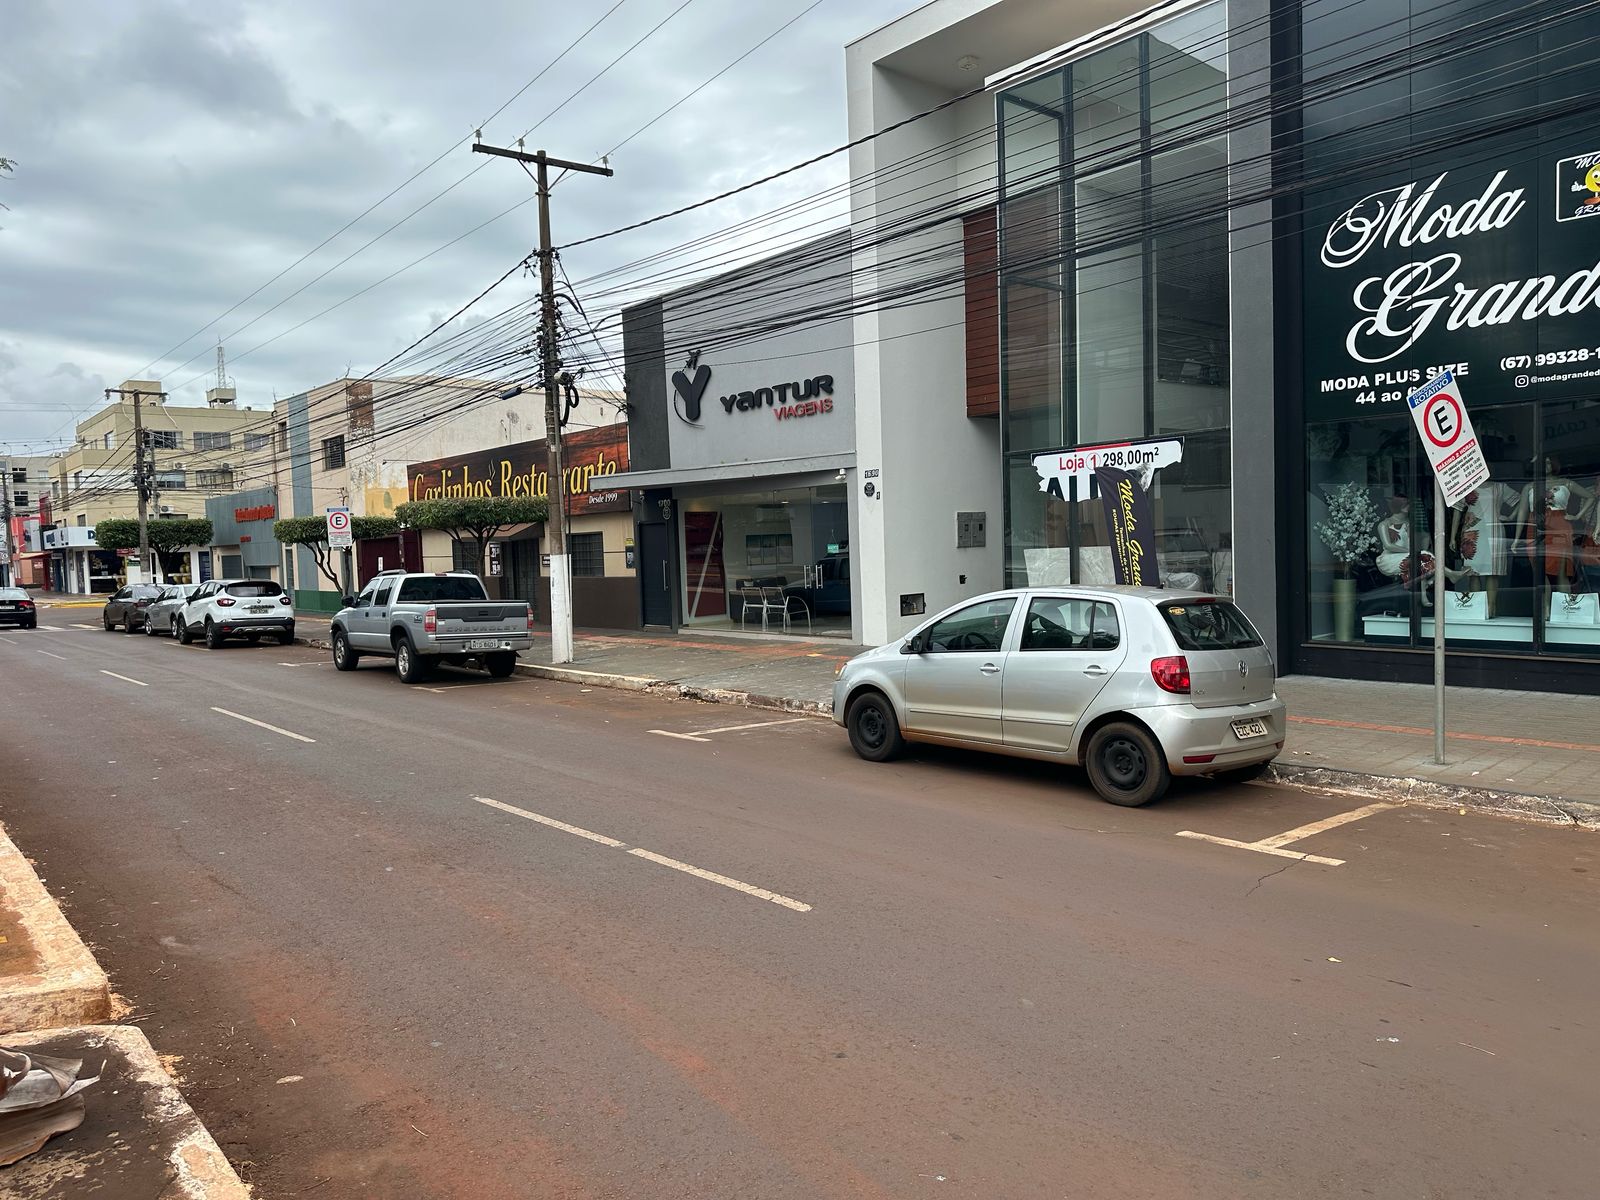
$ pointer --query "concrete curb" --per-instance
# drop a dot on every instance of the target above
(1549, 810)
(69, 988)
(193, 1165)
(679, 691)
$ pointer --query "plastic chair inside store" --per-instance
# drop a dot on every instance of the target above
(760, 600)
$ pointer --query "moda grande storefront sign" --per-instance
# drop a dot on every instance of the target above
(1492, 272)
(589, 457)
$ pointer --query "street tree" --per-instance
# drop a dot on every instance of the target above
(473, 521)
(122, 533)
(312, 533)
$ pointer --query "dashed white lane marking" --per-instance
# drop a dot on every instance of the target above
(299, 737)
(552, 823)
(1275, 844)
(47, 654)
(650, 856)
(320, 663)
(701, 735)
(124, 678)
(713, 877)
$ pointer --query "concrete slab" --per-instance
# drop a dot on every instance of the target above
(57, 981)
(139, 1141)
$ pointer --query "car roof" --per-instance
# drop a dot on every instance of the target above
(1128, 591)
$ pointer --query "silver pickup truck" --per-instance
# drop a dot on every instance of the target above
(422, 620)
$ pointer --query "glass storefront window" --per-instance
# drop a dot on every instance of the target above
(1121, 330)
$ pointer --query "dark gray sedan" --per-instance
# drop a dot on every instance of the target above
(128, 605)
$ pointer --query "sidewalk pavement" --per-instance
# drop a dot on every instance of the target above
(1534, 754)
(139, 1140)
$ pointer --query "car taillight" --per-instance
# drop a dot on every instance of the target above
(530, 616)
(29, 604)
(226, 602)
(430, 621)
(283, 600)
(1171, 674)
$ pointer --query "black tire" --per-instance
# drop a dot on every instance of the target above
(1126, 765)
(149, 627)
(253, 638)
(873, 728)
(130, 628)
(181, 631)
(408, 664)
(107, 622)
(34, 624)
(344, 658)
(501, 664)
(213, 635)
(1243, 774)
(286, 638)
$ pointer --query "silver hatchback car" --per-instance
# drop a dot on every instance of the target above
(1136, 684)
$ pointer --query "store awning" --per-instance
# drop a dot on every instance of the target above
(672, 476)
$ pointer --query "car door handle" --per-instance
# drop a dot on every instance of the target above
(1096, 670)
(989, 669)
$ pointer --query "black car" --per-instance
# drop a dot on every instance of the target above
(16, 608)
(127, 606)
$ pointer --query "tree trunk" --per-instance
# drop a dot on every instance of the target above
(320, 552)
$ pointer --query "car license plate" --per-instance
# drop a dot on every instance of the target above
(6, 605)
(1244, 730)
(483, 644)
(259, 608)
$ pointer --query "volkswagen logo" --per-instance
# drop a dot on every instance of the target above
(1243, 669)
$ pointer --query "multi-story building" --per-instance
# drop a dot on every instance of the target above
(195, 452)
(26, 483)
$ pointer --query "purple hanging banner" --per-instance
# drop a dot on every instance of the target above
(1131, 522)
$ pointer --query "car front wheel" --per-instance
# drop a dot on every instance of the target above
(1126, 765)
(149, 627)
(874, 731)
(344, 658)
(108, 622)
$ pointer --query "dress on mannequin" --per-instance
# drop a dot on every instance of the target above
(1481, 529)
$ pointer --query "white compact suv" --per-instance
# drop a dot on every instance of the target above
(233, 608)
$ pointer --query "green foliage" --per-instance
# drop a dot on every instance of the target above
(477, 515)
(307, 531)
(122, 533)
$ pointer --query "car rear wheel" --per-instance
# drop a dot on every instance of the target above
(874, 731)
(408, 664)
(344, 658)
(180, 630)
(1126, 765)
(213, 635)
(130, 627)
(501, 665)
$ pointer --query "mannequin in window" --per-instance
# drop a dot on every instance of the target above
(1480, 532)
(1394, 557)
(1568, 507)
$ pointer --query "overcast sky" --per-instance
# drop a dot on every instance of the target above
(173, 155)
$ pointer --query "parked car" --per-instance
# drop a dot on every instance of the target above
(1135, 684)
(127, 606)
(423, 620)
(227, 608)
(161, 617)
(17, 608)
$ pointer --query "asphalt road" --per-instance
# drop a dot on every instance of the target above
(950, 976)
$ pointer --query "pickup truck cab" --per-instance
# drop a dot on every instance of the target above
(424, 619)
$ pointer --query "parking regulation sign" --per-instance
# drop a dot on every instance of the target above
(339, 537)
(1447, 436)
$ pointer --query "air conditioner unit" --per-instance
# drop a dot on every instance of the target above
(166, 508)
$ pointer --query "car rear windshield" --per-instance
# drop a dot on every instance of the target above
(13, 594)
(1208, 625)
(264, 587)
(140, 590)
(424, 589)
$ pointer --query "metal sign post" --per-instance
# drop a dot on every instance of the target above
(1459, 470)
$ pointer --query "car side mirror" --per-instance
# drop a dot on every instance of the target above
(912, 645)
(348, 601)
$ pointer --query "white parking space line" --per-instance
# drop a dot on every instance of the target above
(1275, 844)
(713, 877)
(124, 678)
(47, 654)
(299, 737)
(75, 625)
(701, 735)
(319, 663)
(552, 823)
(650, 856)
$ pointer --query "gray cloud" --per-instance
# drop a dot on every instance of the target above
(174, 155)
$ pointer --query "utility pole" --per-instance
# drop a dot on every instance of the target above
(556, 523)
(143, 475)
